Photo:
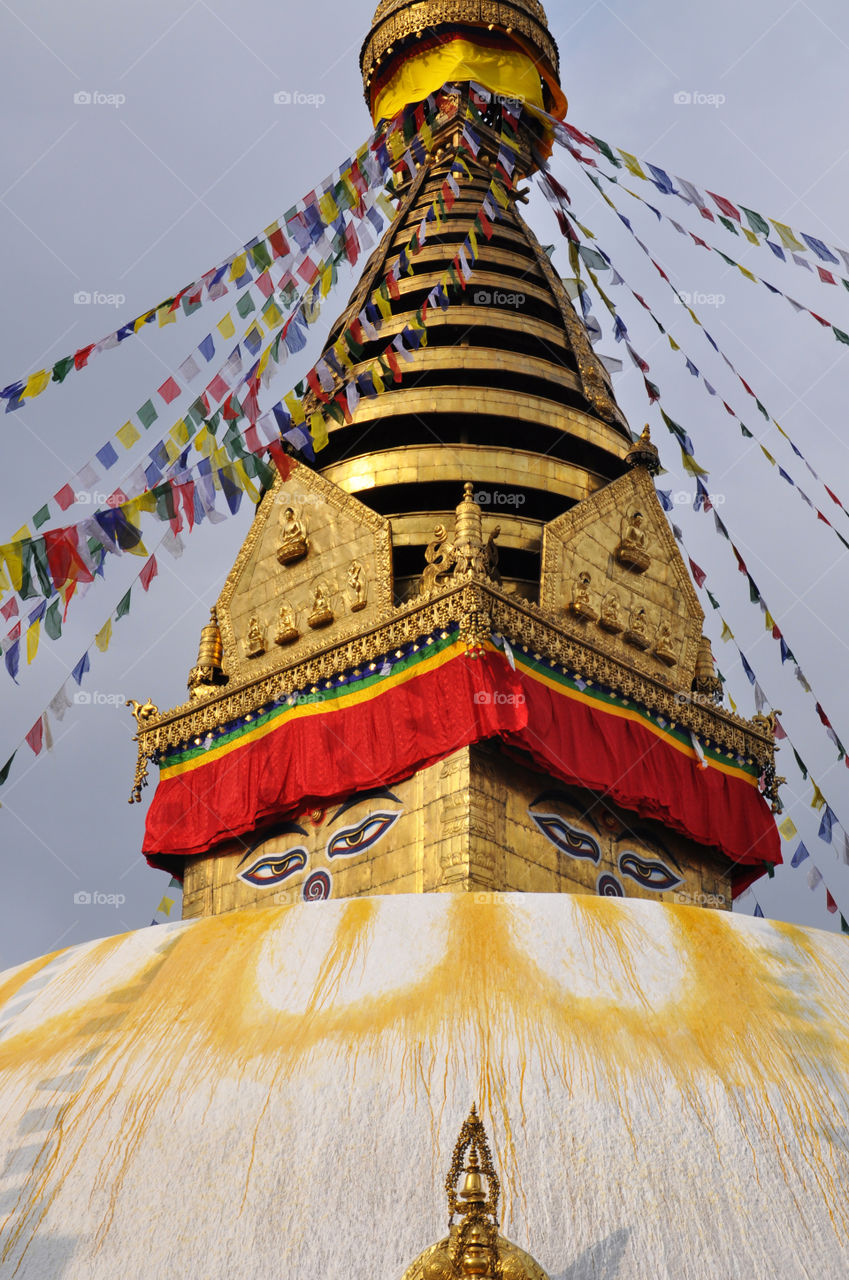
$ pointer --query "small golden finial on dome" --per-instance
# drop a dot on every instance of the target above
(207, 674)
(473, 1246)
(644, 454)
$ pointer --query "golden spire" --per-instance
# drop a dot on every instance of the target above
(473, 1247)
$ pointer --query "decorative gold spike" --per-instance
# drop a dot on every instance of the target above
(644, 454)
(208, 674)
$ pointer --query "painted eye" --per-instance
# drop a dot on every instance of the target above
(317, 887)
(569, 840)
(649, 873)
(363, 836)
(609, 887)
(274, 868)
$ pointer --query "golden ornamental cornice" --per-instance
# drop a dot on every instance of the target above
(405, 19)
(480, 609)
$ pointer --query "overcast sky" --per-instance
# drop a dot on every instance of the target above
(136, 197)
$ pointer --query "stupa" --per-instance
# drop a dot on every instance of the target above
(460, 817)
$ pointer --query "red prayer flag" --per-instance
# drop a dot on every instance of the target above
(81, 356)
(315, 385)
(392, 360)
(308, 271)
(826, 276)
(820, 516)
(35, 737)
(148, 573)
(486, 225)
(833, 496)
(281, 459)
(357, 332)
(169, 390)
(342, 401)
(698, 574)
(352, 244)
(829, 902)
(264, 285)
(65, 497)
(252, 439)
(392, 285)
(825, 323)
(279, 243)
(63, 557)
(9, 609)
(726, 207)
(218, 388)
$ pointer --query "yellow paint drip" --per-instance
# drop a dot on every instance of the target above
(485, 1012)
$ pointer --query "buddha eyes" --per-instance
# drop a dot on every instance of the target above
(274, 867)
(649, 873)
(577, 844)
(362, 836)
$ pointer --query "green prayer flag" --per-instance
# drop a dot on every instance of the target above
(41, 516)
(62, 368)
(606, 151)
(756, 222)
(803, 768)
(761, 407)
(746, 432)
(728, 224)
(53, 620)
(164, 502)
(39, 555)
(4, 772)
(147, 415)
(844, 927)
(713, 600)
(335, 412)
(725, 258)
(261, 257)
(840, 335)
(245, 304)
(189, 308)
(754, 594)
(123, 606)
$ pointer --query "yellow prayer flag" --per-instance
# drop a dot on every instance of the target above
(239, 267)
(172, 450)
(632, 164)
(787, 237)
(788, 829)
(180, 432)
(733, 703)
(296, 409)
(33, 635)
(473, 241)
(750, 236)
(694, 317)
(142, 321)
(727, 633)
(264, 358)
(395, 143)
(328, 207)
(245, 481)
(4, 581)
(499, 193)
(205, 441)
(272, 314)
(690, 465)
(673, 344)
(386, 205)
(769, 621)
(166, 316)
(377, 378)
(36, 383)
(318, 431)
(165, 906)
(747, 274)
(326, 280)
(384, 306)
(14, 560)
(127, 435)
(818, 801)
(426, 135)
(104, 635)
(342, 354)
(768, 455)
(226, 327)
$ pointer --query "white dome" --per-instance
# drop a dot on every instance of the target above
(277, 1092)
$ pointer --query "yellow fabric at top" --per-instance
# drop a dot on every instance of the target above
(514, 75)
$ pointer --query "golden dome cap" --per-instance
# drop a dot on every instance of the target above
(397, 22)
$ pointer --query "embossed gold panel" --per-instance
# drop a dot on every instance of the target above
(613, 575)
(316, 568)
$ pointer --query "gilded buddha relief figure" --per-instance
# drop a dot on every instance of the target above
(631, 551)
(294, 543)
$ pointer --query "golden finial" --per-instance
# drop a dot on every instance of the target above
(644, 454)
